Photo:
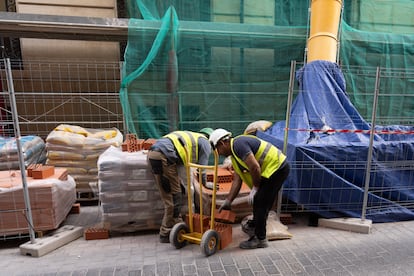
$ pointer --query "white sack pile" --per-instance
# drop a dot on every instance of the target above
(129, 196)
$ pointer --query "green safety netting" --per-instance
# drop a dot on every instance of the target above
(191, 64)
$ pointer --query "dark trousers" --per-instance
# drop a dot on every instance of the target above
(265, 198)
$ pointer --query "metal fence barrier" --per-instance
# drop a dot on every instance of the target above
(48, 94)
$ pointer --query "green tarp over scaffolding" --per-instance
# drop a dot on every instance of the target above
(227, 63)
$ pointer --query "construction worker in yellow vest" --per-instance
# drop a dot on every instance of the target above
(166, 158)
(263, 167)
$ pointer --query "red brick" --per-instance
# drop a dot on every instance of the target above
(96, 233)
(223, 176)
(196, 223)
(225, 232)
(140, 144)
(43, 172)
(75, 208)
(148, 143)
(124, 146)
(32, 167)
(131, 136)
(132, 143)
(225, 216)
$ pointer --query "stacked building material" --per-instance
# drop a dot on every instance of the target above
(33, 149)
(51, 200)
(129, 196)
(132, 143)
(224, 179)
(78, 149)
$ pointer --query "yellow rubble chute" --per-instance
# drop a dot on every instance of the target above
(324, 24)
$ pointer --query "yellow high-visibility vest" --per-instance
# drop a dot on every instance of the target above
(269, 157)
(187, 139)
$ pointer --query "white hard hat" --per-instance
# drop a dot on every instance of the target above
(217, 135)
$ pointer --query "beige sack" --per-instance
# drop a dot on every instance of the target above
(275, 230)
(261, 125)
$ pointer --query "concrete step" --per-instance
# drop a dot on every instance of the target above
(348, 224)
(51, 241)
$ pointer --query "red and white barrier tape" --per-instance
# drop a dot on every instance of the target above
(363, 131)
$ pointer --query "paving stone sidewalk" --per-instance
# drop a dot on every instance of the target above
(388, 250)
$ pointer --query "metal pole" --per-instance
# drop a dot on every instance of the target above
(371, 143)
(305, 53)
(338, 43)
(124, 124)
(285, 139)
(19, 148)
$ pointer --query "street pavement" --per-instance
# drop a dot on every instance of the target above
(387, 250)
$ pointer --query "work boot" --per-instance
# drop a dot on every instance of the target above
(253, 243)
(164, 239)
(249, 228)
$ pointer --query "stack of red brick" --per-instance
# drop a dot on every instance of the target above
(224, 230)
(224, 180)
(223, 176)
(40, 171)
(133, 144)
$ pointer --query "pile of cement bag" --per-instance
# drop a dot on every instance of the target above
(129, 196)
(78, 149)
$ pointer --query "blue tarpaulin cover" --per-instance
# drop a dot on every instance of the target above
(328, 176)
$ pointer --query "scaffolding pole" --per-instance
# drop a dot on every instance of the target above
(19, 148)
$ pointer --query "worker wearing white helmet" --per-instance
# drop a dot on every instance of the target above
(263, 167)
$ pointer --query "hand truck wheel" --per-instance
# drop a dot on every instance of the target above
(176, 233)
(210, 242)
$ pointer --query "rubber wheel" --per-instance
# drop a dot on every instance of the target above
(176, 233)
(209, 242)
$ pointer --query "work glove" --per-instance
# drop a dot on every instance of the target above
(227, 163)
(225, 206)
(250, 198)
(209, 185)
